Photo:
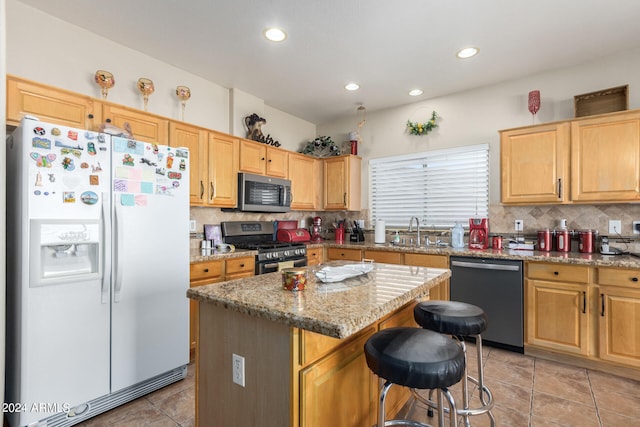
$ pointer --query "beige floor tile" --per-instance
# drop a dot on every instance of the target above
(562, 411)
(504, 416)
(561, 370)
(171, 389)
(137, 413)
(558, 385)
(615, 419)
(512, 373)
(604, 381)
(180, 406)
(622, 403)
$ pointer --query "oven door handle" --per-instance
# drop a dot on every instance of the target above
(301, 262)
(483, 266)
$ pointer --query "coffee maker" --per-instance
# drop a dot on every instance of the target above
(316, 229)
(478, 233)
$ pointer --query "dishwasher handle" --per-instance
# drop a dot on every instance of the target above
(485, 266)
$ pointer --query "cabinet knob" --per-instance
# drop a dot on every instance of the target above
(108, 120)
(555, 273)
(90, 116)
(634, 279)
(206, 270)
(241, 265)
(262, 158)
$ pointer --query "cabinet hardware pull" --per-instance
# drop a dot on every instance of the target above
(262, 158)
(108, 120)
(90, 116)
(556, 273)
(602, 305)
(344, 198)
(201, 189)
(269, 160)
(559, 188)
(634, 279)
(206, 270)
(584, 302)
(212, 192)
(241, 265)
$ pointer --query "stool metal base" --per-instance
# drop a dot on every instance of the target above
(485, 394)
(453, 419)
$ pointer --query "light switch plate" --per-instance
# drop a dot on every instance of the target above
(192, 226)
(519, 225)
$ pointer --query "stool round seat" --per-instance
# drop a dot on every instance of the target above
(451, 317)
(414, 357)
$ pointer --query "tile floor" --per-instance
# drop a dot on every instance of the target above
(528, 392)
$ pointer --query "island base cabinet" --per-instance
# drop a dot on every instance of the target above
(619, 325)
(339, 390)
(265, 400)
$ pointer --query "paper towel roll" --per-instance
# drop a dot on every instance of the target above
(380, 231)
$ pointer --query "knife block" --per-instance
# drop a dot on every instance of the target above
(356, 236)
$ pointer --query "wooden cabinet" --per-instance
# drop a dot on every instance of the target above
(305, 174)
(344, 253)
(442, 291)
(201, 273)
(240, 267)
(50, 105)
(144, 126)
(605, 158)
(315, 256)
(558, 307)
(339, 389)
(342, 183)
(221, 178)
(263, 159)
(387, 257)
(195, 139)
(618, 315)
(534, 164)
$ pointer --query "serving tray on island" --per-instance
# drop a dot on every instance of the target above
(331, 274)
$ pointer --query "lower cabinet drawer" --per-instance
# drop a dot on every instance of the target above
(344, 253)
(206, 270)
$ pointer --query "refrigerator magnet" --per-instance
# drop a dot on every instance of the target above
(94, 180)
(127, 160)
(67, 164)
(43, 143)
(69, 197)
(89, 198)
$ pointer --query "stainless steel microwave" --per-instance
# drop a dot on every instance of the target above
(257, 193)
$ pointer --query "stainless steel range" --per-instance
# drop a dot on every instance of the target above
(260, 236)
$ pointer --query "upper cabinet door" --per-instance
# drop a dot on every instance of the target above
(535, 164)
(222, 188)
(195, 139)
(50, 105)
(342, 182)
(605, 158)
(277, 162)
(145, 127)
(253, 157)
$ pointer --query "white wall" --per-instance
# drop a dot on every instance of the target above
(475, 116)
(45, 49)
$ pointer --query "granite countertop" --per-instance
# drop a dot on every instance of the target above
(324, 308)
(593, 260)
(579, 258)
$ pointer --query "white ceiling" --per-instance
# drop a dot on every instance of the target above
(387, 46)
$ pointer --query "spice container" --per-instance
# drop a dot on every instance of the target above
(544, 240)
(294, 279)
(563, 242)
(496, 242)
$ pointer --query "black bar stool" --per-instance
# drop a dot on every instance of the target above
(460, 320)
(419, 359)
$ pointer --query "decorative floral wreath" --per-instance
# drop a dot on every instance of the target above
(416, 128)
(322, 146)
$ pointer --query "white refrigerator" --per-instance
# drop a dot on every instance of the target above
(97, 269)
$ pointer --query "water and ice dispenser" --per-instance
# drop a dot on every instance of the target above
(64, 251)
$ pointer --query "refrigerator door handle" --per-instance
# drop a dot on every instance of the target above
(119, 243)
(106, 247)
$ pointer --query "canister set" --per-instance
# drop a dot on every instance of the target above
(560, 240)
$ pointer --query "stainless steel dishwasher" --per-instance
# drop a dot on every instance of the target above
(496, 286)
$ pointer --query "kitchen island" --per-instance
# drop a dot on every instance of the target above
(302, 351)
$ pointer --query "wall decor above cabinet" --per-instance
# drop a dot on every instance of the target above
(594, 159)
(254, 125)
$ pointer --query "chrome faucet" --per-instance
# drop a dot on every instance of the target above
(417, 228)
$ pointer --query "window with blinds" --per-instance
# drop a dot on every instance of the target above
(439, 187)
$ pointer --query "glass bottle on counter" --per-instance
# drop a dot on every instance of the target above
(457, 236)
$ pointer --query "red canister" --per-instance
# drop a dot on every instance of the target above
(586, 239)
(563, 242)
(544, 240)
(496, 242)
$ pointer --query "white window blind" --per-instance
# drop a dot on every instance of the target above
(439, 187)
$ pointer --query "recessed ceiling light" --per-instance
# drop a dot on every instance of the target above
(352, 86)
(467, 52)
(275, 34)
(415, 92)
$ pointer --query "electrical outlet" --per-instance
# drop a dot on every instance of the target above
(636, 227)
(519, 225)
(615, 226)
(192, 226)
(237, 365)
